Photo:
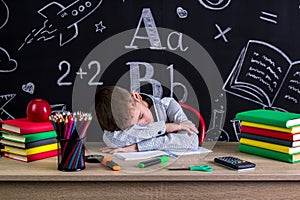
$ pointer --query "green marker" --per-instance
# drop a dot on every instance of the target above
(159, 160)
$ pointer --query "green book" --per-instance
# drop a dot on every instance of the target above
(291, 158)
(270, 117)
(28, 137)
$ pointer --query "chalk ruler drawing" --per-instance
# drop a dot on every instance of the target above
(4, 100)
(63, 20)
(4, 14)
(6, 63)
(215, 4)
(265, 75)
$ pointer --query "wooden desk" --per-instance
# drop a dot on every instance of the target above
(41, 180)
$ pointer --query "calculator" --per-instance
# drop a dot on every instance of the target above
(234, 163)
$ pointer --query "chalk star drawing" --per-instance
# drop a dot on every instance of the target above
(100, 27)
(5, 99)
(222, 33)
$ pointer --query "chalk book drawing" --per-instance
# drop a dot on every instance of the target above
(265, 75)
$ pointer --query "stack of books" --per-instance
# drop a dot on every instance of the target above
(28, 141)
(271, 134)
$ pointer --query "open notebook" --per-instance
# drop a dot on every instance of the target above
(150, 154)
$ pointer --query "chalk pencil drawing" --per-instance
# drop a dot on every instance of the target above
(268, 17)
(100, 27)
(4, 100)
(62, 20)
(215, 4)
(4, 14)
(6, 63)
(181, 12)
(264, 74)
(222, 33)
(28, 87)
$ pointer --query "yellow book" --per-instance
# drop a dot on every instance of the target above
(271, 146)
(293, 130)
(30, 151)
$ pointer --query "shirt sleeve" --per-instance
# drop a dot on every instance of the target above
(173, 110)
(134, 134)
(180, 141)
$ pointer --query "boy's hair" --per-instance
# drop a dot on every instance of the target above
(112, 105)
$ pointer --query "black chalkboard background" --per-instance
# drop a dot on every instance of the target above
(30, 68)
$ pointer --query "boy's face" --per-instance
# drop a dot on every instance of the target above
(140, 112)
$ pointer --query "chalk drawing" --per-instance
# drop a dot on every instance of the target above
(265, 75)
(100, 27)
(6, 63)
(62, 20)
(4, 100)
(215, 4)
(181, 12)
(28, 87)
(4, 14)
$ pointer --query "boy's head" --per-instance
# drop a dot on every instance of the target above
(118, 109)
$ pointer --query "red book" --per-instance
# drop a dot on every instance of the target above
(25, 126)
(270, 133)
(32, 157)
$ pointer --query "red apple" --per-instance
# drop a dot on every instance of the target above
(38, 110)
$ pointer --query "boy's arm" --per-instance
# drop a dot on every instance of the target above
(174, 141)
(134, 134)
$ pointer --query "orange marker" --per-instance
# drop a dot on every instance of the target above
(111, 164)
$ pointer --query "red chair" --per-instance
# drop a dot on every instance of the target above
(202, 131)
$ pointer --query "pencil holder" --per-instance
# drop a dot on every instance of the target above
(71, 154)
(71, 135)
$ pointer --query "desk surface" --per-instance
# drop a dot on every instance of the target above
(46, 170)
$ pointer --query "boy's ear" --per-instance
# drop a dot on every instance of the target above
(136, 95)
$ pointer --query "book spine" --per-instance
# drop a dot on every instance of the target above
(267, 139)
(266, 145)
(266, 153)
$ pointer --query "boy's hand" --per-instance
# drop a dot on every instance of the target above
(185, 125)
(130, 148)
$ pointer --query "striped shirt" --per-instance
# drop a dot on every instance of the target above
(152, 136)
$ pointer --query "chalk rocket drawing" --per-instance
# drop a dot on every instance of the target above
(4, 100)
(215, 4)
(6, 63)
(265, 75)
(28, 87)
(100, 27)
(62, 20)
(4, 14)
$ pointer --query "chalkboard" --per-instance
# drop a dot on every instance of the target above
(221, 57)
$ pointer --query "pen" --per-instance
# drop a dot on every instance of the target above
(161, 159)
(205, 168)
(111, 164)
